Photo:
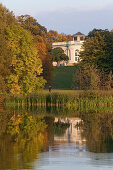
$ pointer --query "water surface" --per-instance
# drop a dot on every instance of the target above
(83, 142)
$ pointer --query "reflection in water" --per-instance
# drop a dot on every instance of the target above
(32, 141)
(21, 142)
(73, 133)
(98, 131)
(19, 155)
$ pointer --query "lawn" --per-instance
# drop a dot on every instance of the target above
(62, 77)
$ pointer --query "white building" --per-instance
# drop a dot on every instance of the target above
(71, 49)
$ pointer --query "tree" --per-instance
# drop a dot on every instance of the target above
(48, 69)
(26, 65)
(54, 36)
(86, 78)
(5, 60)
(98, 50)
(41, 47)
(39, 34)
(6, 18)
(45, 58)
(31, 24)
(20, 66)
(93, 33)
(59, 55)
(97, 53)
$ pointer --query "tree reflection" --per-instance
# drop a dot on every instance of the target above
(25, 126)
(26, 137)
(98, 131)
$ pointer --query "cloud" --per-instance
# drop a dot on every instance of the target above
(71, 20)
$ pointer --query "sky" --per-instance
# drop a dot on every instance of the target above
(66, 16)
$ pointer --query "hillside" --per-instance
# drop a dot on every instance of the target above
(62, 77)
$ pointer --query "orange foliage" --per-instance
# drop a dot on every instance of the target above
(54, 36)
(41, 47)
(45, 57)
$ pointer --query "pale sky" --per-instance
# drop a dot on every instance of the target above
(68, 16)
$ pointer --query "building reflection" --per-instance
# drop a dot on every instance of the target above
(73, 133)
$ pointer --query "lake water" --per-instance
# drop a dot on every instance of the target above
(82, 142)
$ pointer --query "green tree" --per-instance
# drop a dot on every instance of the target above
(86, 78)
(98, 50)
(97, 53)
(59, 55)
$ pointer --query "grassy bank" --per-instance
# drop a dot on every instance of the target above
(62, 77)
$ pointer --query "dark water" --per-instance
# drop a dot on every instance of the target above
(55, 141)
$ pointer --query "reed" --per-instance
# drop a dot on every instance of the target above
(68, 99)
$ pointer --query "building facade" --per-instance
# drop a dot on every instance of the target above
(71, 49)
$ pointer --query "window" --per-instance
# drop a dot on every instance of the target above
(81, 38)
(76, 59)
(75, 38)
(76, 52)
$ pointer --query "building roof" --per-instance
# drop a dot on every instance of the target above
(78, 33)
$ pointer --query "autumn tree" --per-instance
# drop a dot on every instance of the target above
(31, 24)
(6, 18)
(5, 60)
(69, 37)
(54, 36)
(26, 65)
(39, 34)
(45, 58)
(20, 65)
(41, 47)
